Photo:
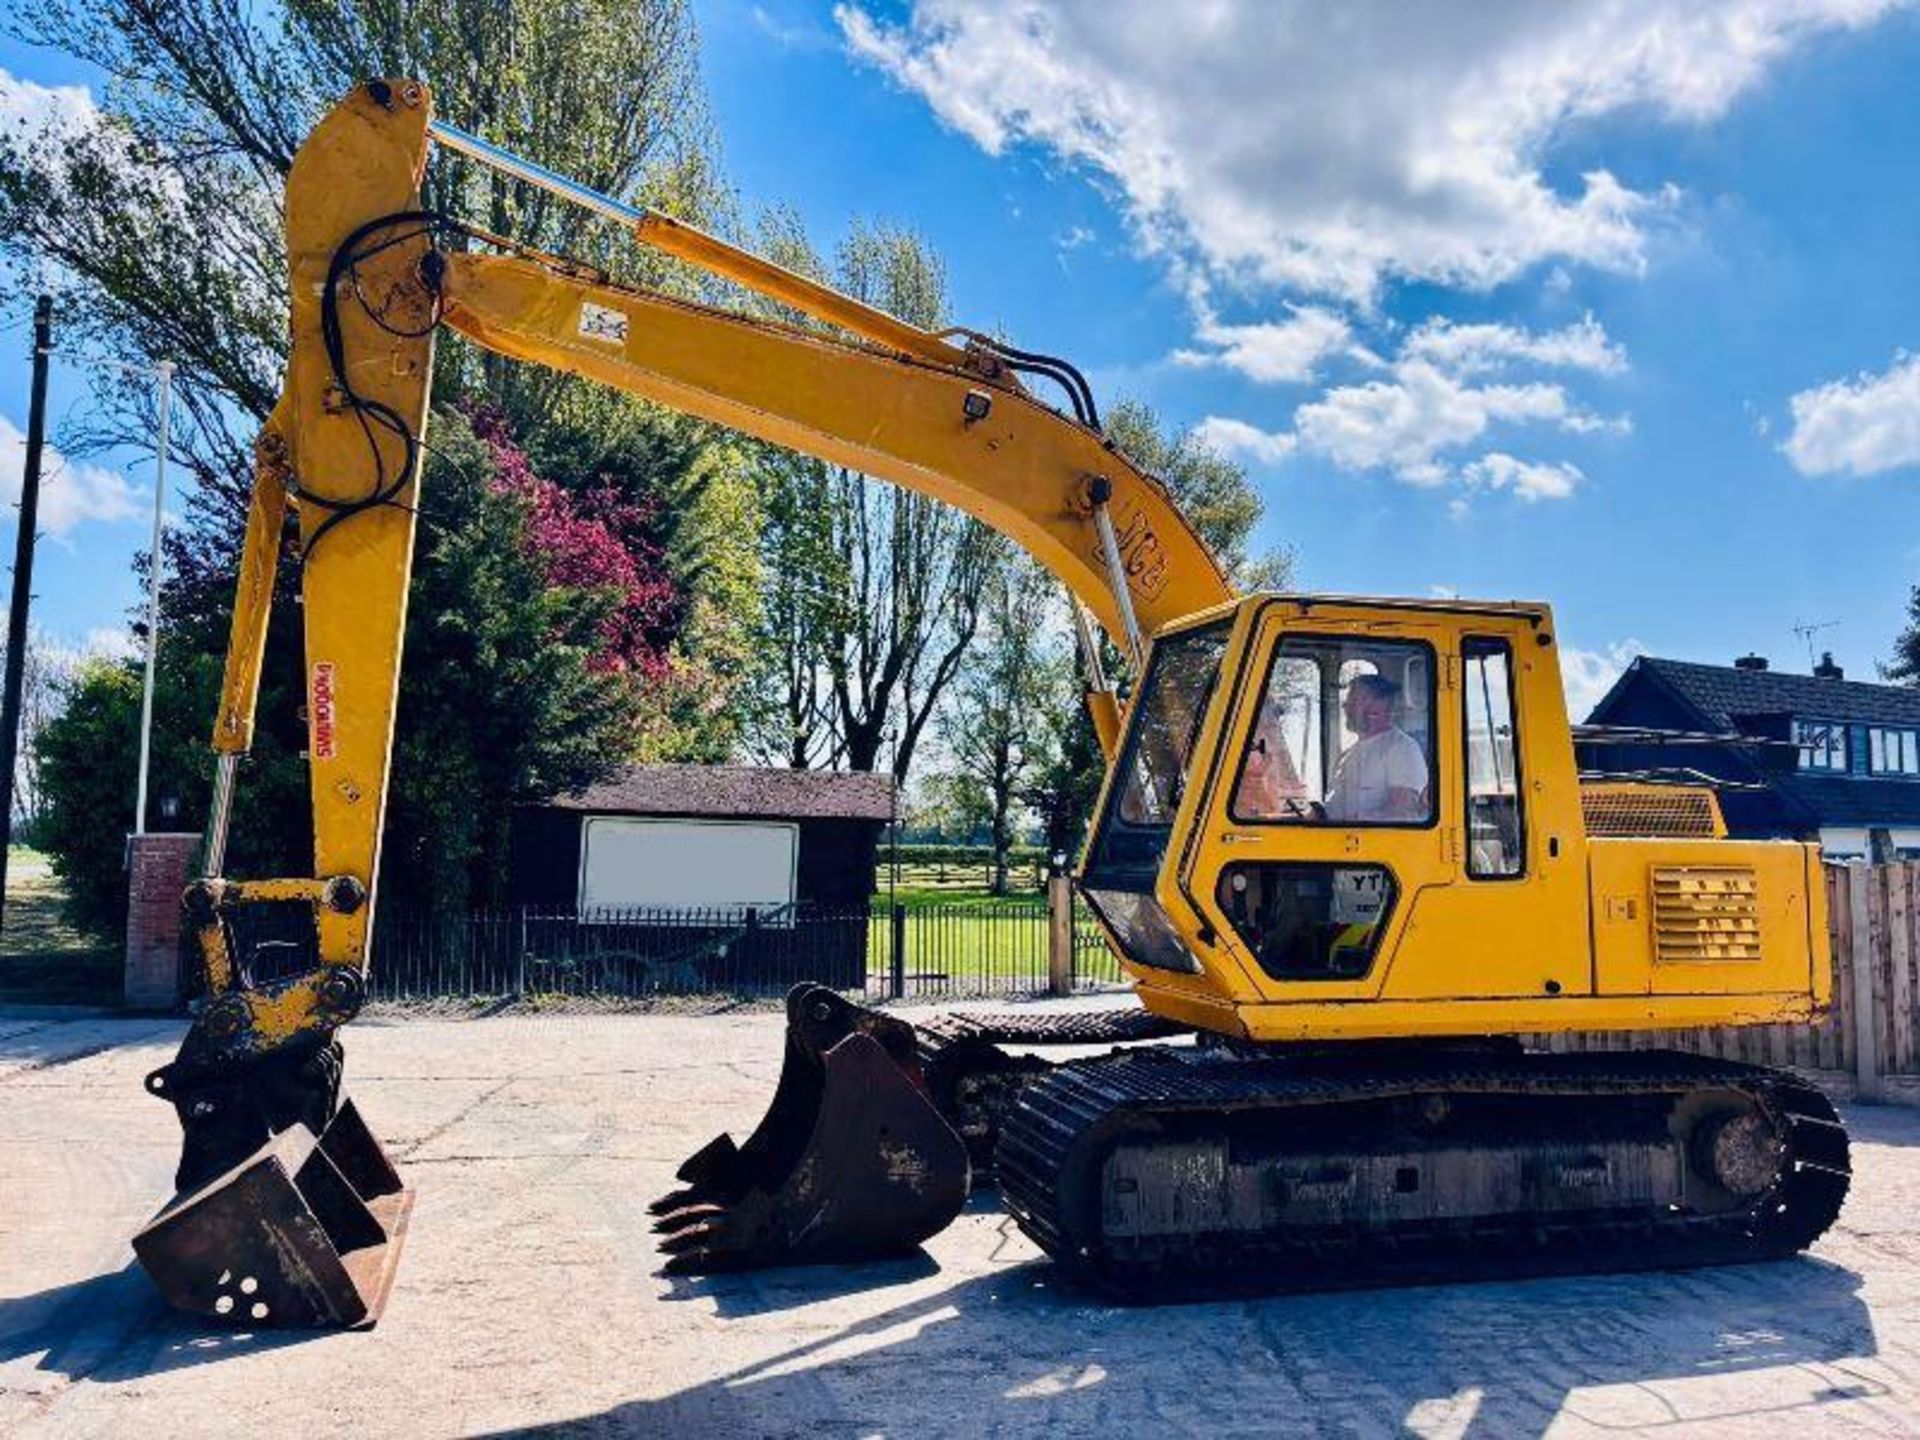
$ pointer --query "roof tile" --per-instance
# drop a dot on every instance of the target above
(737, 790)
(1722, 692)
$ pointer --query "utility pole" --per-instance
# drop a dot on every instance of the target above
(23, 581)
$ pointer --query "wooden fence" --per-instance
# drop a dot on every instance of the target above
(1864, 1047)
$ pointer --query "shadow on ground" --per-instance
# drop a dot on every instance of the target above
(1016, 1351)
(1882, 1124)
(116, 1327)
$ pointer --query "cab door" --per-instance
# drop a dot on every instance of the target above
(1328, 812)
(1513, 923)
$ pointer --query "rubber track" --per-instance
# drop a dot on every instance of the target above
(1055, 1138)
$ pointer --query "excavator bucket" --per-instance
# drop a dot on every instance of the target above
(306, 1231)
(852, 1161)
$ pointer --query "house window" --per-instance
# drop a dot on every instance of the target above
(1823, 746)
(1893, 752)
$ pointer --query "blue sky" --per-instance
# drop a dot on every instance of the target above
(1605, 305)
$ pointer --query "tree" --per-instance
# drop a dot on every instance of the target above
(873, 592)
(522, 678)
(946, 807)
(44, 678)
(791, 720)
(161, 213)
(1066, 782)
(693, 493)
(79, 756)
(1905, 665)
(995, 723)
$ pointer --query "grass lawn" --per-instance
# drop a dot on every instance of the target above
(978, 940)
(971, 898)
(42, 958)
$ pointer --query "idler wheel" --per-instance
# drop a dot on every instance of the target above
(1742, 1153)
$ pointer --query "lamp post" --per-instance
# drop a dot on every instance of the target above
(155, 566)
(162, 371)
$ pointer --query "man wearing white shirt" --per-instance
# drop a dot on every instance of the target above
(1383, 774)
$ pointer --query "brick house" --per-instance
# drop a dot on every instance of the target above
(1848, 772)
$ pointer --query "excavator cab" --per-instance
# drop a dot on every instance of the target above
(1324, 801)
(1289, 781)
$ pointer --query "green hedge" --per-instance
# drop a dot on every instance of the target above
(961, 855)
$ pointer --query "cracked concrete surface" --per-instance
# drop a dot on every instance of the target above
(529, 1295)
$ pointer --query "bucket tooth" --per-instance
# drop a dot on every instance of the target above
(852, 1161)
(306, 1231)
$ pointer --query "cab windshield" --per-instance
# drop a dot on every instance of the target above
(1152, 774)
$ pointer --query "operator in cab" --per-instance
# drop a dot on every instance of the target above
(1382, 775)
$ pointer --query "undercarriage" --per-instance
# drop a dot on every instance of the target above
(1168, 1170)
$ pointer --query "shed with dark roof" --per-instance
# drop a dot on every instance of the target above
(778, 864)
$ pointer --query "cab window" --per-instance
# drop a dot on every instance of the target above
(1343, 736)
(1134, 828)
(1496, 829)
(1308, 922)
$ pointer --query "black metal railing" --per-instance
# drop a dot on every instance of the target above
(940, 950)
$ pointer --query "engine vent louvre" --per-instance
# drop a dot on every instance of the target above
(1651, 811)
(1703, 913)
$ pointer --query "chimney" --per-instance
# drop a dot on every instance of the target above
(1826, 669)
(1751, 662)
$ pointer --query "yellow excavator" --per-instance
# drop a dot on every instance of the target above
(1343, 852)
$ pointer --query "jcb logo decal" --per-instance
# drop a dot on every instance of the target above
(321, 708)
(1142, 556)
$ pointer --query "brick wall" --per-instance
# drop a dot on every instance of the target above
(157, 874)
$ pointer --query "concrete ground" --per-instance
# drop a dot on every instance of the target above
(529, 1296)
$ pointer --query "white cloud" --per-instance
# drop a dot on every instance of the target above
(1530, 480)
(1331, 147)
(1239, 440)
(65, 655)
(1586, 675)
(27, 109)
(1860, 426)
(1068, 241)
(108, 642)
(1406, 424)
(1435, 400)
(1479, 349)
(1272, 352)
(71, 491)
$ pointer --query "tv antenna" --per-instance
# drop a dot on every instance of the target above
(1806, 630)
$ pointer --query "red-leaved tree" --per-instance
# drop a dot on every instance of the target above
(597, 539)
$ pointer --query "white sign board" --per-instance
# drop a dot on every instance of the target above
(711, 865)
